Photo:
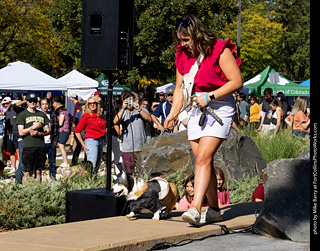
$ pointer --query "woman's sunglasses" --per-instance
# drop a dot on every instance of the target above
(185, 23)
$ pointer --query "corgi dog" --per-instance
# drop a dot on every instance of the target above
(157, 195)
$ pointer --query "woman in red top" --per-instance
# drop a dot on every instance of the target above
(94, 127)
(217, 78)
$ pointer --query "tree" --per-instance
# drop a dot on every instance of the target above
(155, 20)
(294, 15)
(260, 39)
(65, 18)
(25, 34)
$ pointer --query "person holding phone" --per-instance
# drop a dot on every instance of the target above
(133, 119)
(216, 79)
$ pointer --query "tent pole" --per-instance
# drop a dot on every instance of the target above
(109, 131)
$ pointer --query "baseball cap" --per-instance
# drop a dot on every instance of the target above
(170, 91)
(74, 95)
(31, 96)
(6, 100)
(97, 93)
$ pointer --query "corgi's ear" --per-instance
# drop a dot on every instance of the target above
(123, 175)
(116, 170)
(114, 177)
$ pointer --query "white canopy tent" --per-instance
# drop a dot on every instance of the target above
(19, 76)
(80, 84)
(164, 88)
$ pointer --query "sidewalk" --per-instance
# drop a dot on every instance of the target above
(119, 233)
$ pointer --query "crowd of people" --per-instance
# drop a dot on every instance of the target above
(32, 129)
(272, 115)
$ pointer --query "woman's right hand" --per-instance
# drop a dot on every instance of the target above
(85, 148)
(169, 121)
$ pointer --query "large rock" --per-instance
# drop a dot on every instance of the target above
(170, 155)
(285, 211)
(237, 156)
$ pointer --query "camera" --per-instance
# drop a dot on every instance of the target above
(130, 101)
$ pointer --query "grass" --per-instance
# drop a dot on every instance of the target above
(282, 146)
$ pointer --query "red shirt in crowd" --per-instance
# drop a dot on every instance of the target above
(258, 193)
(209, 76)
(94, 127)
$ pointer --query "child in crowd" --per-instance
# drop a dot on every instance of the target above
(258, 194)
(187, 197)
(223, 193)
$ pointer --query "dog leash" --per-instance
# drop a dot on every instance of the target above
(209, 109)
(161, 133)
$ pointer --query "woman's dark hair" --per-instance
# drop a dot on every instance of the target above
(275, 102)
(189, 179)
(268, 91)
(282, 97)
(253, 98)
(201, 38)
(222, 189)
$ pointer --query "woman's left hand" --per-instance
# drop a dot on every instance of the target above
(201, 100)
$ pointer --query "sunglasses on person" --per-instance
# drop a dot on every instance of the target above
(184, 22)
(32, 101)
(93, 103)
(169, 95)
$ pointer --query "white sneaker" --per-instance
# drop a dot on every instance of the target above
(192, 216)
(63, 165)
(12, 170)
(211, 215)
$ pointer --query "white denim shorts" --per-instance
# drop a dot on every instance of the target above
(223, 107)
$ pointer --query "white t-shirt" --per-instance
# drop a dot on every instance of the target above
(47, 139)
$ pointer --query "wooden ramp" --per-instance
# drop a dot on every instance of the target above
(119, 233)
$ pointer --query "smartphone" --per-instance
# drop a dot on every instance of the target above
(130, 101)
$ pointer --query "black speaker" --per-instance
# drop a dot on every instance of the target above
(107, 34)
(89, 204)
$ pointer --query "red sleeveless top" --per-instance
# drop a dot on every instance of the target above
(209, 76)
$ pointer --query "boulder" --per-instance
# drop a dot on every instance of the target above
(286, 209)
(237, 156)
(170, 155)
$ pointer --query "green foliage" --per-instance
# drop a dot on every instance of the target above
(47, 34)
(35, 204)
(241, 190)
(283, 145)
(155, 22)
(295, 50)
(260, 39)
(179, 177)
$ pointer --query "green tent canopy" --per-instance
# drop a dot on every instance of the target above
(103, 86)
(260, 82)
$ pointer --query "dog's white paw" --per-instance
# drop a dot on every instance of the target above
(156, 216)
(130, 215)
